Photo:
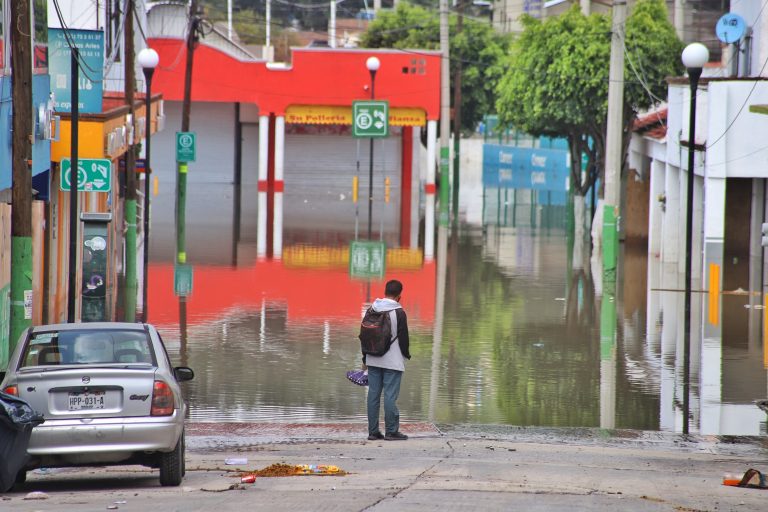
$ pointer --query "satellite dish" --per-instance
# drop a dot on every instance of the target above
(730, 28)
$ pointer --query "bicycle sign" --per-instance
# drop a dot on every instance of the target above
(370, 118)
(93, 175)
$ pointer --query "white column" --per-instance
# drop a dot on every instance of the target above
(332, 26)
(429, 213)
(261, 244)
(671, 221)
(277, 232)
(714, 223)
(655, 209)
(416, 165)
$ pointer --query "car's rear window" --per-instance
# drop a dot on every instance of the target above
(87, 347)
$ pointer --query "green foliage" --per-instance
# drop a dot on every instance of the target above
(477, 48)
(556, 83)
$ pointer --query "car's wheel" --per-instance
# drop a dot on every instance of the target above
(21, 477)
(172, 465)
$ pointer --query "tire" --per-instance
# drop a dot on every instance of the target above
(21, 477)
(172, 465)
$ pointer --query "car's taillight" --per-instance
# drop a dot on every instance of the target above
(162, 399)
(12, 390)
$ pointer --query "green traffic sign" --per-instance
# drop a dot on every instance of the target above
(370, 118)
(182, 280)
(367, 258)
(185, 146)
(93, 175)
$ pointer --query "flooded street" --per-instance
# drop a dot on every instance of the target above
(507, 331)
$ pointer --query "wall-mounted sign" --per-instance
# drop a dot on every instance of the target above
(90, 45)
(526, 168)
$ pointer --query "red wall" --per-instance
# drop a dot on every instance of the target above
(318, 76)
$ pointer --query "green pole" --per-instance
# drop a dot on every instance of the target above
(456, 148)
(181, 215)
(131, 283)
(21, 288)
(445, 185)
(610, 242)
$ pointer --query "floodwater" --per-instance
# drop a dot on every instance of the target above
(510, 323)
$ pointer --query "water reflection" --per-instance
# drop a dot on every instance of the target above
(511, 323)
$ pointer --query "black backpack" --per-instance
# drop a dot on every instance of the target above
(376, 332)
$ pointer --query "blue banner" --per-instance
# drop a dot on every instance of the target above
(90, 45)
(526, 168)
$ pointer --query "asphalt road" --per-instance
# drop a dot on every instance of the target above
(439, 468)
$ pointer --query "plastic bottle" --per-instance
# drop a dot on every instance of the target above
(731, 479)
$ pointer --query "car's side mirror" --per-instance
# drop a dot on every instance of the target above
(183, 373)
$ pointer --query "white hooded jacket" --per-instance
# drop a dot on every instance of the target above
(393, 359)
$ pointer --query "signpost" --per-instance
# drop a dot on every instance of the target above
(370, 119)
(367, 258)
(185, 146)
(93, 175)
(182, 280)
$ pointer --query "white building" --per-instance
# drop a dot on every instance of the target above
(729, 207)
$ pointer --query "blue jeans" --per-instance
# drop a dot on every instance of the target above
(386, 381)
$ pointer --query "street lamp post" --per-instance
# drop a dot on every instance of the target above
(148, 60)
(695, 55)
(372, 64)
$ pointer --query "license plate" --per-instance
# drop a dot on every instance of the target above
(86, 401)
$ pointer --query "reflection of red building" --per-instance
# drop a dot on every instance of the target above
(307, 294)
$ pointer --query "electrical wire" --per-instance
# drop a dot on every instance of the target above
(73, 46)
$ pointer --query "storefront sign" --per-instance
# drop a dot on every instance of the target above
(311, 114)
(90, 45)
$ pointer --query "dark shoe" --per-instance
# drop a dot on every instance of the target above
(375, 437)
(395, 436)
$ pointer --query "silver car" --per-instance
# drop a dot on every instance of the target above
(108, 393)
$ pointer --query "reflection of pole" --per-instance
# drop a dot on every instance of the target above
(437, 333)
(183, 330)
(74, 222)
(608, 356)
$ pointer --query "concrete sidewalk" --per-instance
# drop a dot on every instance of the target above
(438, 468)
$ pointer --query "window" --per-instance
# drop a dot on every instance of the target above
(40, 43)
(88, 347)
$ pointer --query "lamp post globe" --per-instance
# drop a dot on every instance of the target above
(148, 59)
(695, 55)
(373, 64)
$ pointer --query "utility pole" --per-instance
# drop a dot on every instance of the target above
(445, 112)
(613, 140)
(21, 194)
(457, 115)
(131, 285)
(74, 221)
(182, 167)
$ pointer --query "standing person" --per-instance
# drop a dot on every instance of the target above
(385, 372)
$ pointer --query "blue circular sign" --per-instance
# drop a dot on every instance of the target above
(730, 28)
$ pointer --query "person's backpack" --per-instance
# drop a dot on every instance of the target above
(376, 332)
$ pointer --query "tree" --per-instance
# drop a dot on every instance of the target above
(478, 47)
(556, 83)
